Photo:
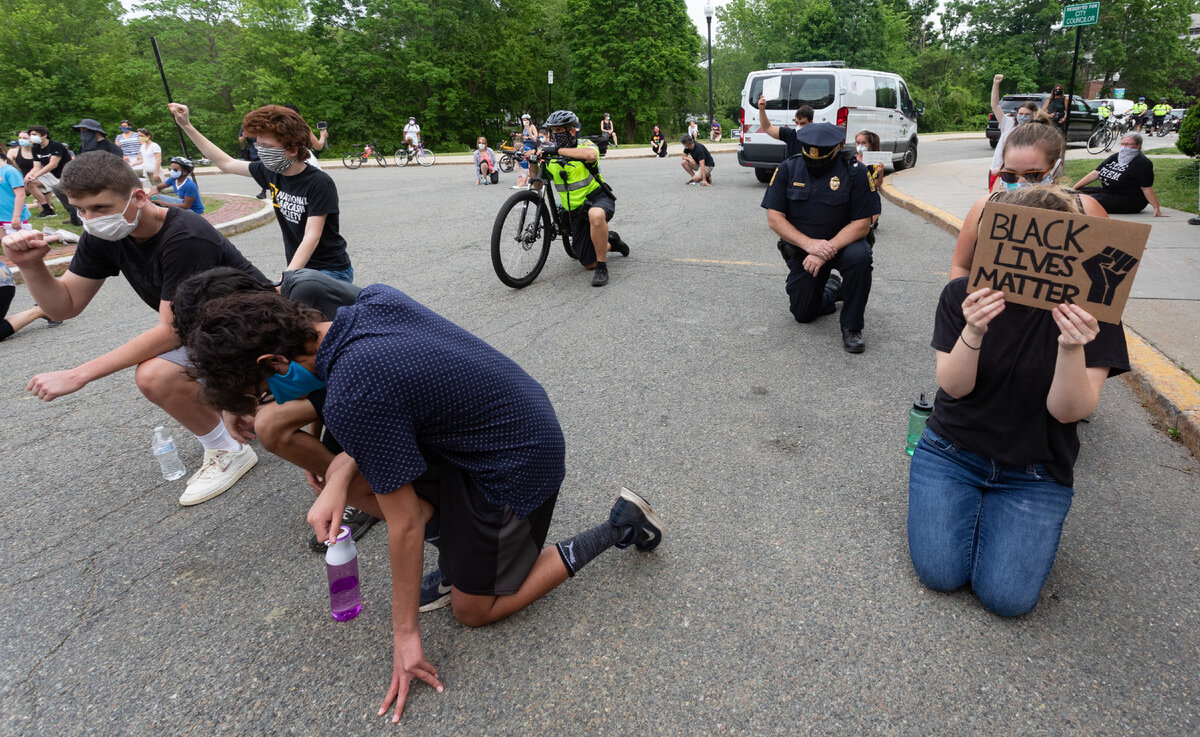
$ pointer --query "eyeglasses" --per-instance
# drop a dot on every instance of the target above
(1008, 176)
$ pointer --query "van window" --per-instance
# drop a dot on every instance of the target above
(815, 90)
(906, 104)
(756, 90)
(886, 93)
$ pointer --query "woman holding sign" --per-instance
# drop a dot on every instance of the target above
(1033, 154)
(991, 479)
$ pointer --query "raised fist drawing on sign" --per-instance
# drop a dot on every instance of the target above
(1107, 270)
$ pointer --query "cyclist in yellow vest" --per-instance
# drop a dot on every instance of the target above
(573, 165)
(1160, 111)
(1105, 110)
(1138, 111)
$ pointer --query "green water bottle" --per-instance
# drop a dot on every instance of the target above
(917, 416)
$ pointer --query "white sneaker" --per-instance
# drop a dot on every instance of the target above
(221, 469)
(67, 236)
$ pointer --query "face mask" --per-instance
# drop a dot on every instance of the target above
(35, 139)
(481, 146)
(1127, 154)
(172, 174)
(112, 227)
(861, 148)
(275, 159)
(297, 382)
(25, 142)
(566, 139)
(125, 129)
(1023, 119)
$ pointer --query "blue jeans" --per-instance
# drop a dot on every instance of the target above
(974, 520)
(346, 275)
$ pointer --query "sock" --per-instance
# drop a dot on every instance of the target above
(219, 439)
(578, 551)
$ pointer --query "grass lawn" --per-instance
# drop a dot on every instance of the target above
(211, 204)
(1174, 181)
(1162, 151)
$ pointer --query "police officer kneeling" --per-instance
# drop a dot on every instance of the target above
(820, 202)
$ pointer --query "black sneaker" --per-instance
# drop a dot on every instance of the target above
(435, 591)
(600, 277)
(261, 195)
(47, 212)
(852, 341)
(616, 245)
(630, 510)
(357, 520)
(834, 285)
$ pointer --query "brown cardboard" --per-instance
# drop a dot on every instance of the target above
(1042, 258)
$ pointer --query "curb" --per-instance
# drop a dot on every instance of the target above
(1169, 390)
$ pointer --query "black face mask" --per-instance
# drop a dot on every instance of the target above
(88, 139)
(566, 139)
(820, 167)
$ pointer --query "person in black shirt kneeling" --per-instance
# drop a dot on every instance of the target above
(991, 479)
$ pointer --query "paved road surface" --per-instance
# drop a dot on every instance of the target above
(781, 602)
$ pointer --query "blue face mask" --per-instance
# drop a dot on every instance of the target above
(297, 382)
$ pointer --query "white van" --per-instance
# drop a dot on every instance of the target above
(856, 99)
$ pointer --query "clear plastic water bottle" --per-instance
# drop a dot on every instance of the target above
(917, 416)
(167, 456)
(341, 563)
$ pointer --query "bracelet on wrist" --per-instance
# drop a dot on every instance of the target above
(964, 342)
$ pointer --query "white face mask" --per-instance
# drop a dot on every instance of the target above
(24, 142)
(861, 148)
(35, 139)
(481, 146)
(112, 227)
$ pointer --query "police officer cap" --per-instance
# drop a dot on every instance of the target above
(822, 136)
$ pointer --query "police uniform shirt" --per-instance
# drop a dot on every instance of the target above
(819, 207)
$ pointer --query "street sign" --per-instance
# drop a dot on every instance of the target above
(1084, 14)
(1119, 93)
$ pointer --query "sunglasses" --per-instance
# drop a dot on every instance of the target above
(1008, 176)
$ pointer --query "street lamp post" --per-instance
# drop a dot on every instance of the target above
(708, 15)
(549, 91)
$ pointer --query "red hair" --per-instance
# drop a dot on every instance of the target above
(281, 123)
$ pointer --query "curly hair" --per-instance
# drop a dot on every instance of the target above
(199, 289)
(283, 123)
(232, 332)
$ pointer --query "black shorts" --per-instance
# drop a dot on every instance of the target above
(483, 549)
(317, 399)
(581, 228)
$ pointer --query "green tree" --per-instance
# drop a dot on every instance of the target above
(1146, 42)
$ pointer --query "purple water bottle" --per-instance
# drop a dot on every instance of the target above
(341, 563)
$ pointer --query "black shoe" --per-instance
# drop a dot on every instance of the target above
(261, 195)
(852, 341)
(834, 285)
(435, 591)
(47, 212)
(600, 276)
(630, 510)
(616, 245)
(357, 520)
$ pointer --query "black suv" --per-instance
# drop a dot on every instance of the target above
(1082, 120)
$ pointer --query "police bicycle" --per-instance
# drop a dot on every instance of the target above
(1114, 129)
(528, 222)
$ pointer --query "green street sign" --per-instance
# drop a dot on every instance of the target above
(1084, 14)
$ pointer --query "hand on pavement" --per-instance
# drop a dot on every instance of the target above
(408, 662)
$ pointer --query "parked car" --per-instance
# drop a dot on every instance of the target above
(1082, 120)
(855, 99)
(1120, 106)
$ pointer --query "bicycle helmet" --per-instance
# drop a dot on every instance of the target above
(562, 118)
(184, 163)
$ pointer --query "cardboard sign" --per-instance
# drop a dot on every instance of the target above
(876, 157)
(1042, 258)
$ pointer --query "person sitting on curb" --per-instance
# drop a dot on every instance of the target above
(187, 194)
(1126, 180)
(447, 439)
(606, 127)
(154, 248)
(697, 162)
(485, 163)
(804, 116)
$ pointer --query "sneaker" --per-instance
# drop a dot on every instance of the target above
(600, 278)
(67, 236)
(435, 591)
(221, 469)
(617, 245)
(630, 510)
(852, 341)
(52, 323)
(47, 212)
(357, 520)
(261, 195)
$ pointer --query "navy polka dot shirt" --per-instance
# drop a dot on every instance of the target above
(399, 377)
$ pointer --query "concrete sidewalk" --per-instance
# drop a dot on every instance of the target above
(1160, 318)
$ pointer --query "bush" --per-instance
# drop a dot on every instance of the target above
(1189, 131)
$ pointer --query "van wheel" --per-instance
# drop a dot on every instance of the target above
(910, 157)
(764, 175)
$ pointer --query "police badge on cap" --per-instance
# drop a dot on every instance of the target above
(819, 143)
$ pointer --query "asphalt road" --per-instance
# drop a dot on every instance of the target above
(781, 602)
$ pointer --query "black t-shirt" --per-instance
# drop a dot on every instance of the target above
(1057, 107)
(699, 153)
(788, 136)
(103, 144)
(819, 207)
(186, 244)
(1005, 416)
(311, 192)
(1126, 179)
(47, 151)
(318, 290)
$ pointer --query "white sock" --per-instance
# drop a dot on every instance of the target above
(219, 439)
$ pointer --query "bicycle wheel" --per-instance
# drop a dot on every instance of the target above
(425, 157)
(381, 159)
(1161, 130)
(520, 239)
(506, 163)
(401, 156)
(1100, 139)
(352, 159)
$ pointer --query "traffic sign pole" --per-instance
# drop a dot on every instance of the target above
(1071, 88)
(1077, 16)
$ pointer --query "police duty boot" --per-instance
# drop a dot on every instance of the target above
(600, 276)
(852, 341)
